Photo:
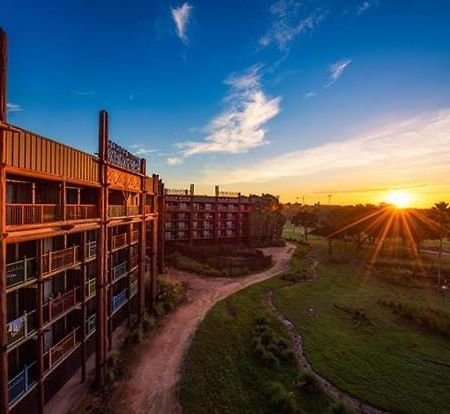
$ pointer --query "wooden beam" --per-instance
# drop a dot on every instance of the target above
(3, 75)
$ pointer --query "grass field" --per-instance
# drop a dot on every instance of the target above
(392, 361)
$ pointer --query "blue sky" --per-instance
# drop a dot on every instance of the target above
(299, 98)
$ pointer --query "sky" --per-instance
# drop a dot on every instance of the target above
(298, 98)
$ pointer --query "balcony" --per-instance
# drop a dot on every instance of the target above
(21, 383)
(91, 324)
(81, 211)
(134, 261)
(20, 214)
(90, 250)
(20, 272)
(58, 305)
(116, 211)
(60, 349)
(21, 327)
(148, 209)
(119, 271)
(118, 241)
(133, 210)
(133, 288)
(90, 288)
(60, 259)
(118, 300)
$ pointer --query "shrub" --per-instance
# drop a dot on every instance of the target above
(338, 407)
(113, 369)
(282, 400)
(308, 383)
(148, 323)
(170, 293)
(136, 336)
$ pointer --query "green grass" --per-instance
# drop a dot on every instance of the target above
(390, 361)
(222, 374)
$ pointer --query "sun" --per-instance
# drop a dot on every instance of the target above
(399, 199)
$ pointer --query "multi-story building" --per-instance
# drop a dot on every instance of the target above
(80, 240)
(223, 218)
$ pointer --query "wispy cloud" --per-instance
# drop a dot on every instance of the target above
(84, 93)
(181, 16)
(310, 94)
(287, 23)
(241, 126)
(174, 161)
(336, 70)
(140, 150)
(12, 107)
(366, 5)
(409, 151)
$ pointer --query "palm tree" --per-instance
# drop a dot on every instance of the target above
(441, 211)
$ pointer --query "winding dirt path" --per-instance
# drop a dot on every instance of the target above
(156, 368)
(297, 344)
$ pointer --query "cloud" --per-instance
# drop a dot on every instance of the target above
(241, 126)
(366, 5)
(12, 107)
(310, 94)
(409, 151)
(140, 150)
(181, 16)
(287, 24)
(173, 161)
(84, 93)
(336, 70)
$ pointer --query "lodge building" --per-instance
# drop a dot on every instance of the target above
(81, 238)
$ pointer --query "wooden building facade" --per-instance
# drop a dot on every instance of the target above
(81, 238)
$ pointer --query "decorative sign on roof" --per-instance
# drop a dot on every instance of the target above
(122, 158)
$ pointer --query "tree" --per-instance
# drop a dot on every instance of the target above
(305, 219)
(441, 213)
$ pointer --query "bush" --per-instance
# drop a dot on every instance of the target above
(170, 293)
(308, 383)
(136, 336)
(148, 323)
(282, 400)
(113, 369)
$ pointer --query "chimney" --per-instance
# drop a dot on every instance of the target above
(3, 73)
(192, 189)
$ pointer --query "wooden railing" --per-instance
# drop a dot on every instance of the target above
(91, 288)
(21, 327)
(118, 241)
(116, 211)
(20, 271)
(20, 214)
(119, 270)
(133, 288)
(133, 210)
(81, 211)
(61, 348)
(60, 259)
(91, 249)
(59, 304)
(148, 209)
(21, 383)
(134, 236)
(134, 260)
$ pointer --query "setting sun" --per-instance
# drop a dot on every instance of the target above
(399, 199)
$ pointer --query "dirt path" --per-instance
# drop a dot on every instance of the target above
(156, 370)
(297, 343)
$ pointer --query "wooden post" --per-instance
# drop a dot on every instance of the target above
(40, 324)
(101, 300)
(83, 307)
(3, 281)
(128, 233)
(3, 75)
(216, 216)
(142, 247)
(161, 212)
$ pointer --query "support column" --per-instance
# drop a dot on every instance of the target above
(161, 212)
(216, 216)
(101, 300)
(83, 307)
(40, 324)
(129, 230)
(3, 74)
(142, 247)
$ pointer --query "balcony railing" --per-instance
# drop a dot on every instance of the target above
(116, 211)
(91, 249)
(21, 383)
(119, 240)
(56, 306)
(133, 210)
(134, 260)
(60, 259)
(21, 327)
(118, 300)
(119, 270)
(20, 272)
(148, 209)
(90, 324)
(81, 211)
(20, 214)
(60, 349)
(134, 236)
(133, 288)
(91, 286)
